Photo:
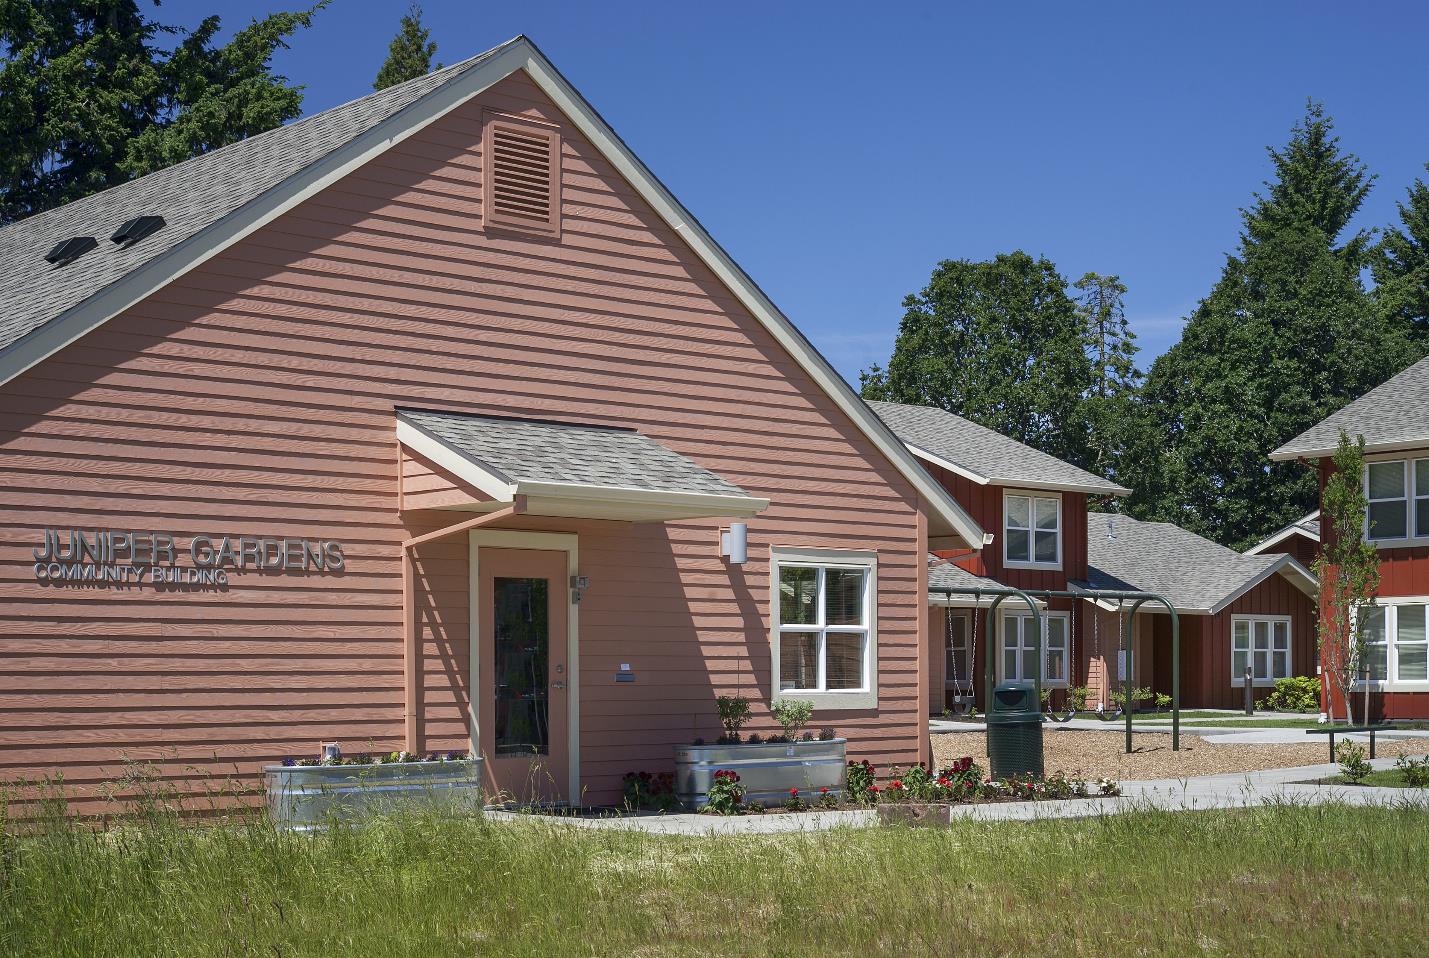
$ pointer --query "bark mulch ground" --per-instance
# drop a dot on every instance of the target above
(1094, 754)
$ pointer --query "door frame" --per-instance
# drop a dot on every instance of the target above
(569, 543)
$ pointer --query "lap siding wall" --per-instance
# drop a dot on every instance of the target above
(254, 396)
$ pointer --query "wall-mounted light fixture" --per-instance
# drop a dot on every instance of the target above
(579, 584)
(734, 543)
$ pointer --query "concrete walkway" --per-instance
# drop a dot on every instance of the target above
(1246, 734)
(1235, 790)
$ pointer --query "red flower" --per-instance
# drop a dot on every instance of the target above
(873, 788)
(793, 792)
(822, 791)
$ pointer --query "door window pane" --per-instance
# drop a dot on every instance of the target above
(798, 595)
(844, 660)
(521, 643)
(798, 660)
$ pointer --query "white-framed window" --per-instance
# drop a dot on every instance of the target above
(824, 608)
(1031, 530)
(1421, 498)
(1017, 658)
(1396, 644)
(958, 664)
(1262, 644)
(1387, 489)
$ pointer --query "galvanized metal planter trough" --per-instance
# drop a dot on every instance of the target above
(766, 770)
(304, 797)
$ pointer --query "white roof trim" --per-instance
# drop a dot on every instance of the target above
(519, 54)
(1400, 445)
(980, 479)
(1283, 534)
(1299, 576)
(482, 476)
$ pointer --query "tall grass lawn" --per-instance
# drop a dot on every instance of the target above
(1282, 880)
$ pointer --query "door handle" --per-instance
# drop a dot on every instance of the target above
(559, 685)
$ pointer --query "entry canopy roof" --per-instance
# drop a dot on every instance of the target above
(567, 470)
(944, 575)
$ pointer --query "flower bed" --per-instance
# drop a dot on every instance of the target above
(914, 788)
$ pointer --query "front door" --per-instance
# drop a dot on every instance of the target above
(521, 673)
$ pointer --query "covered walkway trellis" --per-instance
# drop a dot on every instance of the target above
(998, 595)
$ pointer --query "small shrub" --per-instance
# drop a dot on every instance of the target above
(827, 799)
(792, 715)
(858, 781)
(1143, 695)
(1109, 787)
(726, 795)
(794, 803)
(1416, 771)
(1353, 764)
(1300, 693)
(754, 739)
(644, 790)
(827, 734)
(1163, 701)
(733, 714)
(1077, 696)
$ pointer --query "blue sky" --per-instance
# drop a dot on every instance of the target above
(840, 150)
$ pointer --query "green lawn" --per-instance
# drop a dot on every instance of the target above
(1388, 778)
(1277, 881)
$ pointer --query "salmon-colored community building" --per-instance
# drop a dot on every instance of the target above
(435, 422)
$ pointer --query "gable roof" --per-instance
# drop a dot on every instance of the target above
(1195, 574)
(1307, 526)
(225, 195)
(984, 455)
(1393, 415)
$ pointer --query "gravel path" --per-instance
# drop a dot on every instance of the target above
(1096, 754)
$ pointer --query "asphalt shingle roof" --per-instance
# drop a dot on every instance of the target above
(190, 196)
(995, 457)
(1125, 554)
(525, 450)
(1394, 414)
(942, 574)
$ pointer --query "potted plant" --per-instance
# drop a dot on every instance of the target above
(306, 793)
(767, 768)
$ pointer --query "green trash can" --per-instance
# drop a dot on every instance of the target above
(1014, 731)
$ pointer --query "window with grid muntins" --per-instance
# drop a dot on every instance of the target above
(523, 181)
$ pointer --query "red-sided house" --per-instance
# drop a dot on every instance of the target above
(1236, 611)
(1393, 420)
(1300, 540)
(415, 424)
(1034, 507)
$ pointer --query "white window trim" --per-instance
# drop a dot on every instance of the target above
(1415, 536)
(1031, 494)
(865, 698)
(1391, 604)
(965, 683)
(1066, 646)
(1238, 681)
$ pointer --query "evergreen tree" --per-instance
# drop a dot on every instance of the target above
(1000, 343)
(89, 98)
(1401, 266)
(1287, 335)
(1111, 348)
(410, 54)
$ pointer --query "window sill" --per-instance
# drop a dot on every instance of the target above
(1035, 566)
(1417, 685)
(1255, 684)
(831, 701)
(1400, 543)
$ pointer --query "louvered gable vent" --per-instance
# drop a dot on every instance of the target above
(523, 177)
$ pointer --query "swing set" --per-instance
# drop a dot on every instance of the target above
(1138, 599)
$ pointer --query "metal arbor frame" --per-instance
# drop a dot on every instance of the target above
(1138, 598)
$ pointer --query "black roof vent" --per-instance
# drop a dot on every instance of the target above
(71, 249)
(136, 229)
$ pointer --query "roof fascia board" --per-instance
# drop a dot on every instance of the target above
(628, 165)
(256, 213)
(458, 463)
(966, 473)
(1280, 536)
(1401, 445)
(1297, 574)
(716, 504)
